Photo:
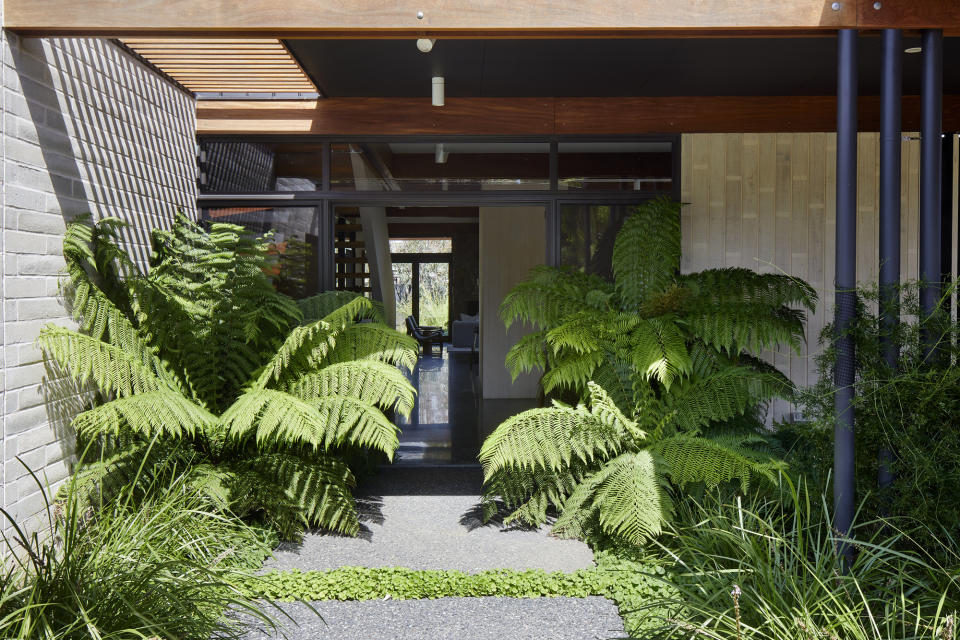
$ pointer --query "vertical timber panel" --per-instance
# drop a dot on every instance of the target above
(749, 186)
(816, 245)
(718, 183)
(768, 202)
(733, 205)
(799, 259)
(686, 212)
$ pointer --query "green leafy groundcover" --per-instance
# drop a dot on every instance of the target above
(632, 585)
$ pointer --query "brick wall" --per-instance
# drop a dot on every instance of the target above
(86, 129)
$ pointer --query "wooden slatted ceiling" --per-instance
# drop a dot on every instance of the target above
(218, 65)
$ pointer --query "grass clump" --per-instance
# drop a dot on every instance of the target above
(165, 567)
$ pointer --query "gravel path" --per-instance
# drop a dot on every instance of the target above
(427, 518)
(460, 618)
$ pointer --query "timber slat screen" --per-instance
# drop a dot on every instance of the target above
(228, 66)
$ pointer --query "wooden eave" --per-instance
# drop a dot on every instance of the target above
(468, 18)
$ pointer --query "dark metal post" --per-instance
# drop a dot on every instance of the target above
(890, 97)
(930, 173)
(845, 279)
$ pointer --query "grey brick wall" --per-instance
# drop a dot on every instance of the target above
(86, 128)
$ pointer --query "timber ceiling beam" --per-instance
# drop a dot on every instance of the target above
(467, 18)
(547, 116)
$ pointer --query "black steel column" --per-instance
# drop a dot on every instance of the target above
(890, 97)
(845, 279)
(930, 172)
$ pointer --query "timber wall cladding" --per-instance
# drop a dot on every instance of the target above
(767, 201)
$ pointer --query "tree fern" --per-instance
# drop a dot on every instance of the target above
(674, 356)
(203, 355)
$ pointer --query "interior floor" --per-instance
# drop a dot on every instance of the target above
(450, 418)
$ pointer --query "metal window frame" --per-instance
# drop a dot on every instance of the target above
(327, 199)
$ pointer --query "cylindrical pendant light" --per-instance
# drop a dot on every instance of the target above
(438, 92)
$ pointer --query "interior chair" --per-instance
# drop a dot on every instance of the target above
(428, 337)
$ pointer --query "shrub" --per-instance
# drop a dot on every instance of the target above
(202, 361)
(665, 362)
(910, 412)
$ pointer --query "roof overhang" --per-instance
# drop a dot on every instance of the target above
(468, 18)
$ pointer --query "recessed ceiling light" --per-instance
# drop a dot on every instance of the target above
(913, 50)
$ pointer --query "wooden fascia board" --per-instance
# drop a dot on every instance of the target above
(547, 116)
(409, 18)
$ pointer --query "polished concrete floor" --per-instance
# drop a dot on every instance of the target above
(450, 418)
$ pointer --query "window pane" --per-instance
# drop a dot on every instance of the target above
(587, 235)
(616, 166)
(294, 244)
(251, 167)
(435, 294)
(403, 292)
(430, 245)
(440, 166)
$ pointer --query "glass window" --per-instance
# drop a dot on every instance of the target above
(294, 243)
(440, 166)
(615, 166)
(426, 245)
(587, 234)
(250, 167)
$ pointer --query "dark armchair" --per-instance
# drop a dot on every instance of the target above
(428, 337)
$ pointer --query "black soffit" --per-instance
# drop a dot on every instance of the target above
(614, 67)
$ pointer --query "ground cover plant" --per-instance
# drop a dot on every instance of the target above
(127, 568)
(630, 581)
(664, 373)
(201, 360)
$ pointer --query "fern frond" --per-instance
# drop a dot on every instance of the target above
(572, 370)
(529, 494)
(548, 439)
(164, 412)
(716, 460)
(302, 346)
(606, 411)
(276, 417)
(370, 381)
(660, 350)
(548, 295)
(630, 499)
(111, 368)
(646, 254)
(748, 327)
(319, 484)
(722, 287)
(318, 306)
(721, 396)
(372, 341)
(527, 354)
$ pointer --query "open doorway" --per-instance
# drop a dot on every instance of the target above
(446, 270)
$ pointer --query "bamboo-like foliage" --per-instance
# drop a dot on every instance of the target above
(665, 371)
(205, 360)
